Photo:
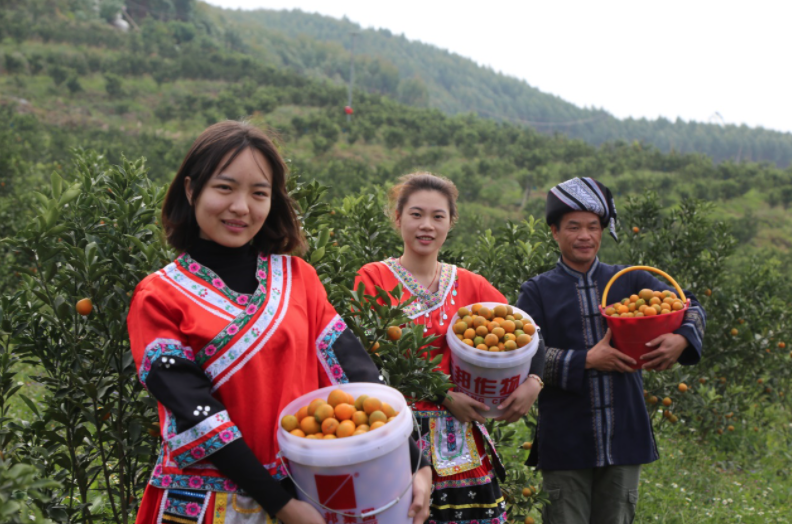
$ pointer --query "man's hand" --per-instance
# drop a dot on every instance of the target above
(520, 401)
(299, 512)
(422, 489)
(669, 347)
(604, 357)
(464, 408)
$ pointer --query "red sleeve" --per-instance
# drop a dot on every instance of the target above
(487, 292)
(364, 277)
(167, 368)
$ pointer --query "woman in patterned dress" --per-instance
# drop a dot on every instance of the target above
(452, 435)
(232, 331)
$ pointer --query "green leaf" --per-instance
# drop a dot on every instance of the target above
(317, 255)
(30, 404)
(57, 185)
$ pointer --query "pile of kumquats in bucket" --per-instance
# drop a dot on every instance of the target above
(340, 416)
(497, 329)
(646, 303)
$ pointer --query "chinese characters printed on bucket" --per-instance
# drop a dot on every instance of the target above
(594, 432)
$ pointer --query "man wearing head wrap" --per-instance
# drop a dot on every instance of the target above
(594, 432)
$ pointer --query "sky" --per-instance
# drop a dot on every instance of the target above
(692, 59)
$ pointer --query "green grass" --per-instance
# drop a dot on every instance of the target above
(740, 477)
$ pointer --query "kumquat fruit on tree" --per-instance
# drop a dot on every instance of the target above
(497, 329)
(339, 416)
(647, 303)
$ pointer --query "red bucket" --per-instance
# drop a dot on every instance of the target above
(630, 335)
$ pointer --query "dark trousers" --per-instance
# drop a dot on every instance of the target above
(606, 495)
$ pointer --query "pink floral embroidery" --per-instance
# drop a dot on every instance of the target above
(210, 350)
(232, 329)
(188, 353)
(147, 364)
(158, 470)
(251, 309)
(229, 485)
(198, 453)
(195, 482)
(226, 436)
(262, 274)
(322, 345)
(166, 481)
(495, 521)
(339, 326)
(194, 268)
(242, 300)
(218, 283)
(192, 509)
(337, 371)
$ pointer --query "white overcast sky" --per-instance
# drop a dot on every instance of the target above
(671, 58)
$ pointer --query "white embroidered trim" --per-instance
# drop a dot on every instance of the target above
(450, 286)
(175, 277)
(198, 431)
(264, 322)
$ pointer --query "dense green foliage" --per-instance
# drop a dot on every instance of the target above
(75, 226)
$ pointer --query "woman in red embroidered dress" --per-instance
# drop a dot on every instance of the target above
(452, 435)
(232, 331)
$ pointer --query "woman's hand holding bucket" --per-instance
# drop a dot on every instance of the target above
(520, 401)
(299, 512)
(464, 408)
(421, 493)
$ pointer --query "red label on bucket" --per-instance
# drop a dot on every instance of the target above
(336, 491)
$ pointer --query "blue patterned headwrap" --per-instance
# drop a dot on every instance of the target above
(582, 194)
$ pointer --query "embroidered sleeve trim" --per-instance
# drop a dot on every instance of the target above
(326, 354)
(553, 366)
(162, 347)
(203, 439)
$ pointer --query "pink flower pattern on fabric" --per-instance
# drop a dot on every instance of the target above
(218, 283)
(193, 509)
(251, 309)
(194, 268)
(242, 300)
(196, 482)
(233, 329)
(229, 485)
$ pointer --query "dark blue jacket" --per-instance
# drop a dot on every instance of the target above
(590, 418)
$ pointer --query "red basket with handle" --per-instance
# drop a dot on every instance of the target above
(630, 334)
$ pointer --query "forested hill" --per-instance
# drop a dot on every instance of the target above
(423, 75)
(70, 79)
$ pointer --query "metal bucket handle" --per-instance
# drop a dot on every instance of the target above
(373, 512)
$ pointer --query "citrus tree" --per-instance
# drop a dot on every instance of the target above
(93, 237)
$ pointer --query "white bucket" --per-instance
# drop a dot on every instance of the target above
(358, 475)
(486, 376)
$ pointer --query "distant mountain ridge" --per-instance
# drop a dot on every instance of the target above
(423, 75)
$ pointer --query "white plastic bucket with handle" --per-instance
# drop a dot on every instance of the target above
(364, 478)
(489, 377)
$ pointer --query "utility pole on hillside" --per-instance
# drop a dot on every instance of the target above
(353, 34)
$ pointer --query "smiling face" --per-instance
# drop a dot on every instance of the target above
(424, 222)
(235, 202)
(579, 236)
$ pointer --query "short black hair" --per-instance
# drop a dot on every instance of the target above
(281, 232)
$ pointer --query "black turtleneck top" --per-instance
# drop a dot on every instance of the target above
(237, 268)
